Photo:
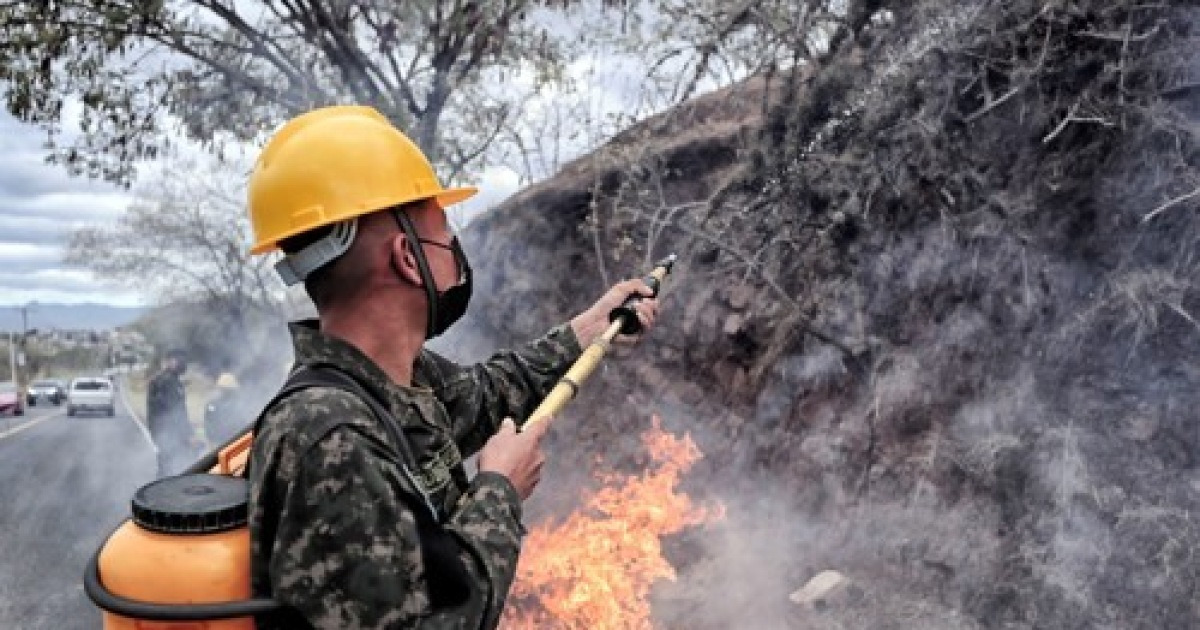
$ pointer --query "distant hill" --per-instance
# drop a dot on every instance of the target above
(71, 316)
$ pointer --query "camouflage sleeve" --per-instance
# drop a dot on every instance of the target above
(346, 552)
(488, 521)
(509, 384)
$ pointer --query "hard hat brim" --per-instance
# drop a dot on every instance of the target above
(451, 196)
(444, 199)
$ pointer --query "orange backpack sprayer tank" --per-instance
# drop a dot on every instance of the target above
(182, 562)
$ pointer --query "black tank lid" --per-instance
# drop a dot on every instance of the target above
(192, 504)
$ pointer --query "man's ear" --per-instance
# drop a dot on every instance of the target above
(404, 261)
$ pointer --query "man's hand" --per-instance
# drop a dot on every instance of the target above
(591, 323)
(517, 456)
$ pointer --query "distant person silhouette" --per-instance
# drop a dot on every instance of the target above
(167, 415)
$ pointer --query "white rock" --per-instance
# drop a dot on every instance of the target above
(825, 588)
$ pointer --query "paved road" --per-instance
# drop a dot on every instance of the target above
(64, 484)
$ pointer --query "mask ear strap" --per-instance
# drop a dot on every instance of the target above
(410, 233)
(460, 258)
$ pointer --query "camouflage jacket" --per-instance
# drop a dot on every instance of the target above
(331, 535)
(166, 409)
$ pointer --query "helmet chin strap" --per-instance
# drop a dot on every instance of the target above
(410, 233)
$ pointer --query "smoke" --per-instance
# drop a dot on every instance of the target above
(1012, 464)
(1016, 449)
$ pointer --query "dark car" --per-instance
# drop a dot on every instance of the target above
(54, 392)
(11, 400)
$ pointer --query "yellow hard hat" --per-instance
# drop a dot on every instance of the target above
(333, 164)
(227, 381)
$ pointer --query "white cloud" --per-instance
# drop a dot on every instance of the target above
(62, 276)
(74, 209)
(16, 252)
(34, 230)
(61, 285)
(98, 295)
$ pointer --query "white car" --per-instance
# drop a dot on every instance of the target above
(89, 393)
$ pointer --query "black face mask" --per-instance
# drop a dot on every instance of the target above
(450, 305)
(446, 307)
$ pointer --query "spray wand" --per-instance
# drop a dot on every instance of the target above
(623, 320)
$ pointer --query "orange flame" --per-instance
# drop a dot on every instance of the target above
(595, 569)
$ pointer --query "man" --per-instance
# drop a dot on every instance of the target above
(167, 416)
(343, 532)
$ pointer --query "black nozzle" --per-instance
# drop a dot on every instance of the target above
(630, 324)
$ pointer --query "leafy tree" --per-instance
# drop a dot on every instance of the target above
(228, 70)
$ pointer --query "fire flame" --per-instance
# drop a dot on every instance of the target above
(595, 569)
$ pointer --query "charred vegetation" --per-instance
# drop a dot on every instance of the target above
(935, 312)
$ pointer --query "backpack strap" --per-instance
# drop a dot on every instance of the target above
(444, 570)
